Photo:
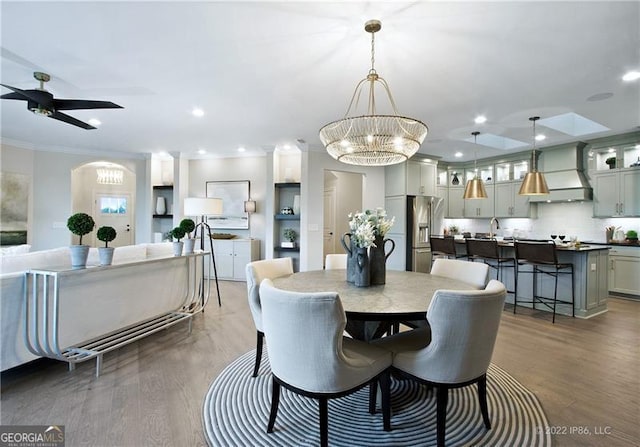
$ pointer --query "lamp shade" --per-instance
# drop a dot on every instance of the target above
(534, 184)
(201, 206)
(475, 189)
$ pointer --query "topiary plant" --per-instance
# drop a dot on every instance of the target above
(80, 224)
(290, 234)
(106, 235)
(177, 233)
(188, 225)
(632, 235)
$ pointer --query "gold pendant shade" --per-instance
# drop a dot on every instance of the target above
(534, 183)
(475, 187)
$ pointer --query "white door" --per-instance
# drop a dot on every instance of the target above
(113, 210)
(329, 227)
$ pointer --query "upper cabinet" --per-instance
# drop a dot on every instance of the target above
(615, 174)
(413, 178)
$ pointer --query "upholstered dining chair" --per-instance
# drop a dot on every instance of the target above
(458, 349)
(309, 355)
(257, 271)
(473, 273)
(335, 261)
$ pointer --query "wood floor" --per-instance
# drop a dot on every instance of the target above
(586, 374)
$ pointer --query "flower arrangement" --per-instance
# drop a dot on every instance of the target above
(366, 226)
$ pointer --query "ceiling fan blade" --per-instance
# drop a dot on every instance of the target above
(14, 95)
(41, 97)
(74, 104)
(70, 120)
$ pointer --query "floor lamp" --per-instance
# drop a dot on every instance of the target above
(199, 206)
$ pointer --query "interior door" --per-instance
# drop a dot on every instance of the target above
(113, 210)
(329, 227)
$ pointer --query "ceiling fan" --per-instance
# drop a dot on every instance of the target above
(41, 102)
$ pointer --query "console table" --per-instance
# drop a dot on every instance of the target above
(75, 315)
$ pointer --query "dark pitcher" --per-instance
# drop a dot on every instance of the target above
(350, 249)
(378, 260)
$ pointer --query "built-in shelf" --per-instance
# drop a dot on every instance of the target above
(163, 216)
(287, 217)
(278, 248)
(163, 187)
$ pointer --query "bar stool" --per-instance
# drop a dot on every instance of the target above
(443, 247)
(488, 251)
(543, 259)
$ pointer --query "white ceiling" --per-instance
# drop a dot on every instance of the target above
(270, 73)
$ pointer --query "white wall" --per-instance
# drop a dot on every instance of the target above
(253, 169)
(50, 200)
(313, 166)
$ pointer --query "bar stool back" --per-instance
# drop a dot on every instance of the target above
(443, 247)
(542, 257)
(488, 251)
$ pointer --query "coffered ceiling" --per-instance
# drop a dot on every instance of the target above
(269, 74)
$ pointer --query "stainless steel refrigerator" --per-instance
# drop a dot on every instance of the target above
(424, 218)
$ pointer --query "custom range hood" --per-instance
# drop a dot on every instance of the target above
(563, 169)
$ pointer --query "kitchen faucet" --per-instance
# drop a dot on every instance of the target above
(493, 219)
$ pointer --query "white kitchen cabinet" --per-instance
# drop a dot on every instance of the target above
(616, 193)
(508, 203)
(480, 208)
(232, 256)
(624, 266)
(413, 178)
(456, 202)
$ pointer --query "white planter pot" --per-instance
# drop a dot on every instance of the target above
(106, 255)
(177, 248)
(288, 244)
(189, 245)
(161, 206)
(79, 255)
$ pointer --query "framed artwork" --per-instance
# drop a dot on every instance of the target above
(14, 208)
(233, 195)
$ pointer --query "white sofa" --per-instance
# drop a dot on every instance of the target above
(91, 304)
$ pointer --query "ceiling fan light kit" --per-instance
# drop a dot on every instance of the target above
(372, 139)
(43, 103)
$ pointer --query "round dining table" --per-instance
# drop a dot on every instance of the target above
(405, 296)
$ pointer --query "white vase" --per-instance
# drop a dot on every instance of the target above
(106, 255)
(296, 204)
(161, 206)
(177, 248)
(189, 245)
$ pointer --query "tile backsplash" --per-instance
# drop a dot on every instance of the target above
(571, 219)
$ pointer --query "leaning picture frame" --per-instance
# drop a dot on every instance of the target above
(233, 195)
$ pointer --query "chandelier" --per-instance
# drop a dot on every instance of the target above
(372, 139)
(475, 188)
(534, 183)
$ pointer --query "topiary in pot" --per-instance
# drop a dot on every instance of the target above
(106, 235)
(188, 226)
(80, 224)
(177, 233)
(632, 236)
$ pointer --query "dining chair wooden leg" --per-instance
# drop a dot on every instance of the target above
(385, 390)
(324, 422)
(259, 343)
(482, 400)
(442, 394)
(373, 396)
(275, 400)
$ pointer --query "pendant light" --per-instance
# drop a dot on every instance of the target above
(475, 188)
(534, 183)
(373, 139)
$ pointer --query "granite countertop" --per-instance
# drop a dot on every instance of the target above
(613, 244)
(584, 246)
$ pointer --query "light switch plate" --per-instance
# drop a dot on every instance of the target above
(593, 267)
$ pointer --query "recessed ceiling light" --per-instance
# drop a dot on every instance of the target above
(286, 147)
(241, 149)
(611, 150)
(197, 112)
(631, 76)
(480, 119)
(458, 154)
(202, 151)
(540, 137)
(95, 122)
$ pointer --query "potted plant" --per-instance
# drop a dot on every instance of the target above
(290, 235)
(106, 235)
(611, 161)
(188, 225)
(80, 224)
(632, 236)
(177, 233)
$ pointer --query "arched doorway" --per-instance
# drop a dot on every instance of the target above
(106, 191)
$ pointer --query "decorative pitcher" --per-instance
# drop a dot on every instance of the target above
(362, 276)
(351, 256)
(378, 260)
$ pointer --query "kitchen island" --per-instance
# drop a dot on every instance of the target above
(590, 263)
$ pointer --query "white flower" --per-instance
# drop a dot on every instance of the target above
(366, 226)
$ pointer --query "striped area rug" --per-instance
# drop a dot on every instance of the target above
(236, 411)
